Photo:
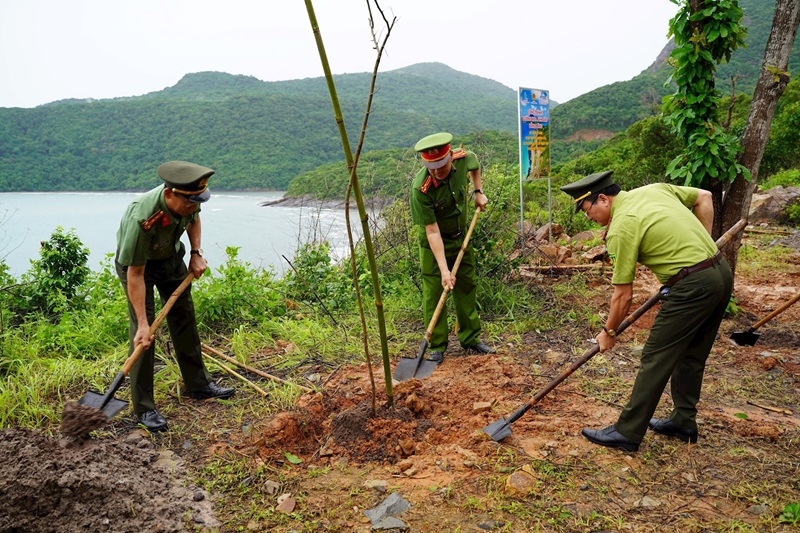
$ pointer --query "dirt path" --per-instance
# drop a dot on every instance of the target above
(546, 476)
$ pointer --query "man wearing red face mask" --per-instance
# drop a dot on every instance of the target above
(438, 199)
(150, 254)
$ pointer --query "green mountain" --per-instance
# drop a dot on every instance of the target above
(255, 134)
(261, 135)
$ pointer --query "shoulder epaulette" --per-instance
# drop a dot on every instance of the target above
(426, 184)
(459, 153)
(147, 224)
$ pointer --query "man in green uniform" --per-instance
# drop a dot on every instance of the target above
(150, 254)
(439, 207)
(666, 228)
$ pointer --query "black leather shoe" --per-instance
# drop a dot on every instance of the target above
(611, 438)
(437, 356)
(667, 427)
(153, 421)
(479, 348)
(212, 390)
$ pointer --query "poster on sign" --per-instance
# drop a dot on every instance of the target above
(534, 133)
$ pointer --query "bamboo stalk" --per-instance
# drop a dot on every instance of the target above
(253, 370)
(356, 187)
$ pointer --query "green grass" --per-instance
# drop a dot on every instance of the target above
(757, 258)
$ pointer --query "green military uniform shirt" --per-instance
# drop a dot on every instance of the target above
(646, 227)
(149, 230)
(443, 202)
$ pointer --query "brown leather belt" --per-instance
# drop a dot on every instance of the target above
(702, 265)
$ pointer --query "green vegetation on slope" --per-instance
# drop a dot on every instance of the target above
(640, 155)
(388, 173)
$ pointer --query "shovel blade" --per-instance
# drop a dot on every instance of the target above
(745, 338)
(498, 430)
(425, 369)
(417, 367)
(95, 400)
(406, 368)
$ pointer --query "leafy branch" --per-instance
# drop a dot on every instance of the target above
(706, 32)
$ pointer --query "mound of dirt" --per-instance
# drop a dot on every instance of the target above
(48, 484)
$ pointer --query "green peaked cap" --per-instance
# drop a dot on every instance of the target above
(187, 179)
(433, 141)
(587, 186)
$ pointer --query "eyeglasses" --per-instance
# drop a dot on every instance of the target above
(186, 203)
(586, 212)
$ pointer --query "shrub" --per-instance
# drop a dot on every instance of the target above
(52, 286)
(316, 280)
(226, 299)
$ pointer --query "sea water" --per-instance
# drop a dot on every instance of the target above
(263, 234)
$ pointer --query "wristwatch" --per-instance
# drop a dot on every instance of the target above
(196, 251)
(610, 332)
(476, 191)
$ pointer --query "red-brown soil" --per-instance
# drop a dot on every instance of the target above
(590, 135)
(430, 448)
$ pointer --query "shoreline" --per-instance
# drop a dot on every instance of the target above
(316, 203)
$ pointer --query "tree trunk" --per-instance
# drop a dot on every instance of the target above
(772, 82)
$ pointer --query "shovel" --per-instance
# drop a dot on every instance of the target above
(106, 403)
(502, 428)
(749, 337)
(418, 367)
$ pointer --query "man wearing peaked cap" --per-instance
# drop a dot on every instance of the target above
(187, 179)
(667, 228)
(438, 198)
(150, 255)
(586, 186)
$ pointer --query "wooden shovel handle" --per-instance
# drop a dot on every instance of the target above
(131, 360)
(776, 312)
(594, 350)
(443, 297)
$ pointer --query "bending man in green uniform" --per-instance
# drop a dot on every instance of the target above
(150, 254)
(666, 228)
(439, 206)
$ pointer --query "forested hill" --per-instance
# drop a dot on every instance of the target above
(255, 134)
(612, 108)
(261, 135)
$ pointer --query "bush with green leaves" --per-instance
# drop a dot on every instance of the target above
(226, 299)
(396, 255)
(316, 280)
(704, 35)
(55, 282)
(793, 214)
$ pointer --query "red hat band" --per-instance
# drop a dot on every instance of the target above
(435, 154)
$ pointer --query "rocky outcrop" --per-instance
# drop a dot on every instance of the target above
(771, 205)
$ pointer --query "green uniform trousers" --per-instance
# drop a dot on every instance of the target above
(676, 349)
(165, 275)
(469, 324)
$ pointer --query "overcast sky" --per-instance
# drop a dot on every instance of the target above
(55, 49)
